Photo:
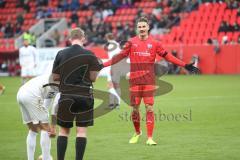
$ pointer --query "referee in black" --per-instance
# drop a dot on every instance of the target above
(76, 68)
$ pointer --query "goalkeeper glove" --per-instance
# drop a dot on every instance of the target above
(192, 69)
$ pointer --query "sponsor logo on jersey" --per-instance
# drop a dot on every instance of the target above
(141, 53)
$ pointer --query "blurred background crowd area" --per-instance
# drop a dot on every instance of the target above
(172, 22)
(168, 19)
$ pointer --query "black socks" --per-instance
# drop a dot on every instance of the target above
(80, 147)
(61, 147)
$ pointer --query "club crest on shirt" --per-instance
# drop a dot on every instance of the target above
(149, 46)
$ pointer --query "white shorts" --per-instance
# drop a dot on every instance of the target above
(27, 72)
(116, 72)
(114, 77)
(32, 109)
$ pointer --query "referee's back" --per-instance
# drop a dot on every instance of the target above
(74, 66)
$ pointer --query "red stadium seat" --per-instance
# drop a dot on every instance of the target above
(68, 14)
(1, 35)
(235, 36)
(11, 41)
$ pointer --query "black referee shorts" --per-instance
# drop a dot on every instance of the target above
(75, 108)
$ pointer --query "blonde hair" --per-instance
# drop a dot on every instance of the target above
(77, 33)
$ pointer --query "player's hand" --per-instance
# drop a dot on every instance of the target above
(192, 69)
(53, 131)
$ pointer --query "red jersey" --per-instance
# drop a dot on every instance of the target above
(142, 54)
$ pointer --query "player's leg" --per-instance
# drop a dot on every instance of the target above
(81, 142)
(111, 95)
(65, 121)
(27, 73)
(135, 104)
(25, 107)
(110, 90)
(83, 120)
(31, 140)
(116, 77)
(135, 99)
(24, 75)
(45, 141)
(114, 96)
(149, 101)
(135, 115)
(114, 90)
(117, 99)
(62, 141)
(150, 124)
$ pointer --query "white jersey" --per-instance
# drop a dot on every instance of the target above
(27, 56)
(35, 88)
(119, 69)
(35, 98)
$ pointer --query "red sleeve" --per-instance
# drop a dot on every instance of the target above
(169, 57)
(160, 50)
(124, 53)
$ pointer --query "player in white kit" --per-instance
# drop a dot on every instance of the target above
(35, 99)
(27, 60)
(116, 72)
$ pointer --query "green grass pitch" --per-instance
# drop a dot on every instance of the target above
(206, 125)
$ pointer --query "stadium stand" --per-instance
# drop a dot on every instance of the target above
(204, 24)
(193, 22)
(185, 22)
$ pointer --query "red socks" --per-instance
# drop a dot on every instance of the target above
(136, 121)
(150, 123)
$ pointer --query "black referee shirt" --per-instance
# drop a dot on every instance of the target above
(74, 64)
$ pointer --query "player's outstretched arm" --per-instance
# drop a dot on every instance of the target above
(170, 58)
(123, 54)
(114, 60)
(189, 67)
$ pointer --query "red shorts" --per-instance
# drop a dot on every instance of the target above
(139, 92)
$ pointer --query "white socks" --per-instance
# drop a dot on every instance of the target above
(31, 144)
(114, 97)
(45, 145)
(118, 100)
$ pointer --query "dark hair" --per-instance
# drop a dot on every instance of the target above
(109, 36)
(142, 19)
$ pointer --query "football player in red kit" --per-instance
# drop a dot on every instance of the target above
(142, 51)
